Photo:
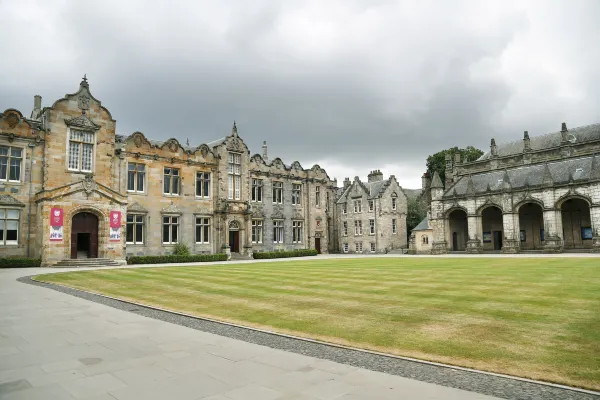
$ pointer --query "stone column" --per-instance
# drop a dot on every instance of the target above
(511, 241)
(474, 245)
(553, 235)
(595, 219)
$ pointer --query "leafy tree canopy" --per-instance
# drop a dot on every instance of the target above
(437, 161)
(416, 211)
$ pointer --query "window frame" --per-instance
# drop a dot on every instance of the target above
(345, 248)
(358, 247)
(394, 226)
(318, 196)
(256, 194)
(80, 153)
(296, 194)
(345, 208)
(136, 173)
(205, 227)
(134, 225)
(394, 203)
(278, 233)
(371, 205)
(257, 231)
(277, 189)
(9, 158)
(171, 180)
(357, 206)
(357, 227)
(234, 176)
(171, 225)
(371, 226)
(206, 177)
(4, 242)
(345, 228)
(296, 232)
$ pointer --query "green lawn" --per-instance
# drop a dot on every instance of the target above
(535, 318)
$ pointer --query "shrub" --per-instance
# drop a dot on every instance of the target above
(285, 254)
(19, 262)
(181, 249)
(170, 259)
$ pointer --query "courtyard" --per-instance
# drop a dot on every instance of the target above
(529, 317)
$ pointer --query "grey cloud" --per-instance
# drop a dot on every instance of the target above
(415, 78)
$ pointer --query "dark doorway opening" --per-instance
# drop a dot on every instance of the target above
(318, 245)
(497, 240)
(234, 242)
(457, 223)
(84, 236)
(577, 226)
(454, 241)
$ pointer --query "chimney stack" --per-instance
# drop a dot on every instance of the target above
(346, 183)
(526, 142)
(375, 176)
(264, 147)
(493, 148)
(564, 131)
(425, 181)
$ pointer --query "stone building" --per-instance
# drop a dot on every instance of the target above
(421, 238)
(371, 216)
(538, 194)
(70, 187)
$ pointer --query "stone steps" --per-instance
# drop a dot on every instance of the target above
(86, 262)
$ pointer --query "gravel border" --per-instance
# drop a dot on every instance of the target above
(470, 380)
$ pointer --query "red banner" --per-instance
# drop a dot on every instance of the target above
(56, 216)
(115, 219)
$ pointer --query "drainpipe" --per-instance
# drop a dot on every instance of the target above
(374, 222)
(32, 147)
(307, 208)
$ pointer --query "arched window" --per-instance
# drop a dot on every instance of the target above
(425, 239)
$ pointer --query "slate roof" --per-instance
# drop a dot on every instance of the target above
(373, 188)
(216, 142)
(423, 225)
(555, 172)
(547, 141)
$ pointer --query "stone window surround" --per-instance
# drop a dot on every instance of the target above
(257, 230)
(9, 158)
(278, 231)
(136, 191)
(394, 226)
(277, 192)
(171, 175)
(202, 224)
(345, 228)
(162, 225)
(371, 226)
(204, 196)
(5, 220)
(358, 227)
(357, 206)
(296, 194)
(297, 231)
(257, 190)
(67, 158)
(371, 205)
(143, 241)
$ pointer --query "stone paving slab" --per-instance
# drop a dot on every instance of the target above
(59, 346)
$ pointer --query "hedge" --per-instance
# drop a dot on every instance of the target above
(19, 262)
(285, 254)
(169, 259)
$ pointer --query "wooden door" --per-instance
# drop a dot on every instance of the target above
(318, 245)
(236, 242)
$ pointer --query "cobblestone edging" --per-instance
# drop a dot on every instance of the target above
(459, 378)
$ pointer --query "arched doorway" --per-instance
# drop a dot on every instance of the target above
(234, 236)
(458, 228)
(84, 235)
(576, 222)
(531, 225)
(492, 229)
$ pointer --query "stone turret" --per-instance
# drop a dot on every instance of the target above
(437, 188)
(346, 182)
(375, 176)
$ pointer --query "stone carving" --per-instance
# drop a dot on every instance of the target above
(88, 184)
(137, 140)
(204, 150)
(8, 200)
(171, 209)
(173, 145)
(82, 122)
(83, 102)
(136, 208)
(12, 119)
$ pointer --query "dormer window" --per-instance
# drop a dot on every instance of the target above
(81, 151)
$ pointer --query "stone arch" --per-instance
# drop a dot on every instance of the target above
(102, 228)
(455, 208)
(492, 226)
(489, 204)
(527, 200)
(576, 222)
(531, 224)
(234, 225)
(571, 195)
(457, 225)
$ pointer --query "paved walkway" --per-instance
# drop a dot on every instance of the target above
(57, 346)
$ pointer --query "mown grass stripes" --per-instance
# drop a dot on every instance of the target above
(536, 318)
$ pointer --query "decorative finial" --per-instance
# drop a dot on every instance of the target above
(526, 135)
(187, 142)
(234, 131)
(564, 127)
(493, 143)
(84, 81)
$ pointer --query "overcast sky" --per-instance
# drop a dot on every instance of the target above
(352, 85)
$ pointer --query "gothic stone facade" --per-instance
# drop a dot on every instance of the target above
(71, 187)
(371, 216)
(540, 194)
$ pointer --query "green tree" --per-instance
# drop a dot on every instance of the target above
(416, 211)
(437, 161)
